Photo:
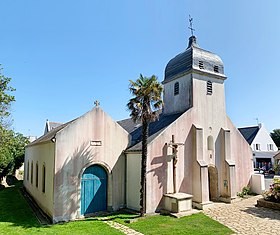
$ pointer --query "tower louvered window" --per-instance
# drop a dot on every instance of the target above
(216, 69)
(200, 64)
(209, 88)
(176, 88)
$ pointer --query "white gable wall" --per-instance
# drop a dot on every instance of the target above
(263, 139)
(74, 154)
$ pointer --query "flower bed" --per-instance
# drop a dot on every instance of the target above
(271, 197)
(273, 194)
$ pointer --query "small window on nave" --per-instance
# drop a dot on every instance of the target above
(36, 176)
(176, 88)
(43, 178)
(31, 178)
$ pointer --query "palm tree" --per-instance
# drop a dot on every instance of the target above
(144, 107)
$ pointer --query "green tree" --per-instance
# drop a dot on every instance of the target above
(275, 135)
(144, 107)
(5, 97)
(6, 157)
(11, 151)
(11, 144)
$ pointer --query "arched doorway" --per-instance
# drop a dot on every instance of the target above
(93, 190)
(213, 183)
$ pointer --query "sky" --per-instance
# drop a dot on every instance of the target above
(63, 55)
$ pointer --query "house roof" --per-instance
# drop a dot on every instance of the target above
(50, 135)
(155, 128)
(196, 58)
(249, 133)
(51, 125)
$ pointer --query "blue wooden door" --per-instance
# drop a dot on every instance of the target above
(94, 190)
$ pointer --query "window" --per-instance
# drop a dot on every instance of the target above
(270, 147)
(209, 88)
(176, 88)
(258, 147)
(44, 179)
(36, 179)
(210, 142)
(31, 178)
(200, 64)
(216, 68)
(27, 171)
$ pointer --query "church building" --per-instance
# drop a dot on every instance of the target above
(92, 163)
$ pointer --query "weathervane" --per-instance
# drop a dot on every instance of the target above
(191, 24)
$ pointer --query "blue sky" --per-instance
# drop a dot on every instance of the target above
(63, 55)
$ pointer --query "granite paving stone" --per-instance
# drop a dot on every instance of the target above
(243, 217)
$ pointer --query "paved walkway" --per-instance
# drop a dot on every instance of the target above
(126, 230)
(244, 218)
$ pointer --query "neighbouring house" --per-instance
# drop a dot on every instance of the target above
(51, 125)
(262, 145)
(93, 163)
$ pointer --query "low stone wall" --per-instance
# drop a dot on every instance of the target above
(272, 205)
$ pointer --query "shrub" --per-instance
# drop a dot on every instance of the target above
(245, 191)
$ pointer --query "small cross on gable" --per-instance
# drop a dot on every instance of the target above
(97, 103)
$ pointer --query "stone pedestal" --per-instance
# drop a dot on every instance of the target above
(177, 202)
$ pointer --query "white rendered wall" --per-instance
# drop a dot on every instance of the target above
(257, 183)
(43, 154)
(182, 101)
(133, 178)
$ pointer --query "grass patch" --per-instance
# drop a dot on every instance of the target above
(194, 224)
(17, 218)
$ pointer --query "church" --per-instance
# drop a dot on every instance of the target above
(92, 163)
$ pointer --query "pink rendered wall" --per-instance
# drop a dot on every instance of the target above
(242, 155)
(159, 166)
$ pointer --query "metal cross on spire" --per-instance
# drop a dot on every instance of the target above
(191, 24)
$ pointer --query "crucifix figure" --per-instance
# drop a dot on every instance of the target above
(191, 24)
(174, 147)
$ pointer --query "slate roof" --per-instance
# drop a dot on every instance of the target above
(193, 57)
(155, 128)
(249, 133)
(134, 129)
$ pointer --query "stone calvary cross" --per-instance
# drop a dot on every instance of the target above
(174, 156)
